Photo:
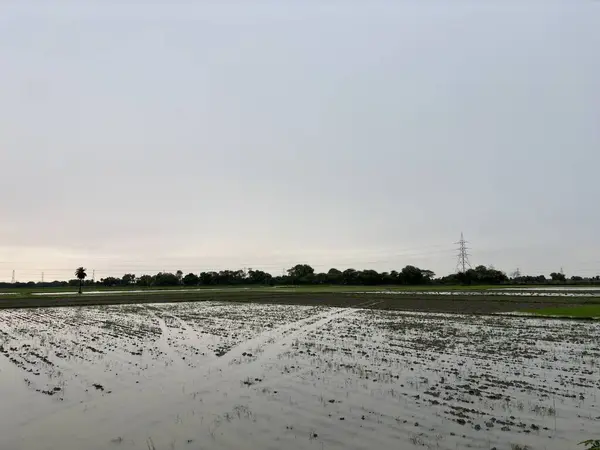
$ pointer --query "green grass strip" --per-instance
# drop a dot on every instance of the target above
(582, 311)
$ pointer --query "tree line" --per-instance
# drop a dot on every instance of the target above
(304, 274)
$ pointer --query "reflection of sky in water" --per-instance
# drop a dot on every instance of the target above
(160, 364)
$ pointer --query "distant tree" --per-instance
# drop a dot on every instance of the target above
(350, 277)
(80, 273)
(166, 279)
(191, 280)
(395, 276)
(530, 279)
(305, 274)
(301, 270)
(110, 281)
(258, 277)
(389, 278)
(301, 274)
(483, 275)
(229, 277)
(428, 275)
(556, 276)
(145, 280)
(489, 275)
(478, 275)
(320, 278)
(335, 276)
(411, 275)
(368, 277)
(208, 278)
(128, 278)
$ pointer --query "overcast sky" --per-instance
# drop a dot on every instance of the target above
(156, 135)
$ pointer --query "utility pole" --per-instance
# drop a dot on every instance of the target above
(13, 280)
(463, 255)
(93, 275)
(42, 277)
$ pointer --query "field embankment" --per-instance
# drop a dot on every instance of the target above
(452, 300)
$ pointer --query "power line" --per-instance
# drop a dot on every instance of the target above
(463, 255)
(368, 255)
(344, 261)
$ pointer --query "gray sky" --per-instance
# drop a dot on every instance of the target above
(142, 136)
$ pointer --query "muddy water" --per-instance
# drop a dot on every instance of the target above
(556, 288)
(222, 376)
(494, 292)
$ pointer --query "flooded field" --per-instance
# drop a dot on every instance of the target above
(580, 293)
(248, 376)
(555, 288)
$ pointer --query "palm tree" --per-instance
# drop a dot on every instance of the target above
(80, 274)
